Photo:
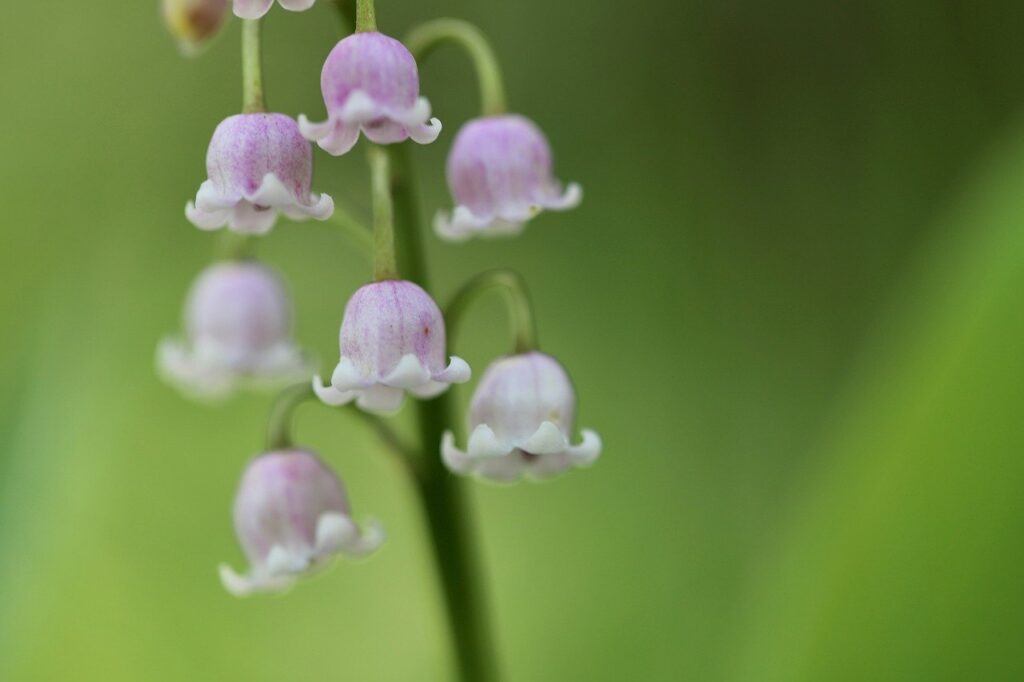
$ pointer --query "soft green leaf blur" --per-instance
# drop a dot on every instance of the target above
(792, 302)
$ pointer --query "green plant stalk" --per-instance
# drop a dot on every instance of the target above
(252, 68)
(385, 264)
(443, 496)
(366, 16)
(517, 301)
(430, 35)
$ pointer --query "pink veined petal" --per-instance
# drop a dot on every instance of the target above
(341, 138)
(321, 207)
(248, 219)
(425, 133)
(381, 399)
(252, 9)
(385, 131)
(204, 220)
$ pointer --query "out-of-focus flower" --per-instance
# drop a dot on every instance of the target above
(254, 9)
(237, 331)
(291, 516)
(258, 165)
(500, 175)
(392, 341)
(194, 22)
(370, 82)
(522, 417)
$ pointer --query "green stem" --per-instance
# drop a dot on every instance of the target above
(517, 300)
(443, 496)
(385, 265)
(252, 68)
(366, 16)
(426, 37)
(279, 426)
(279, 429)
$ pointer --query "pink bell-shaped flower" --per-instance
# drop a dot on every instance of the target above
(370, 82)
(500, 175)
(238, 332)
(254, 9)
(259, 165)
(522, 417)
(292, 516)
(392, 341)
(194, 22)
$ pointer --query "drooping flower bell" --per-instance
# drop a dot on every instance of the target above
(254, 9)
(392, 341)
(194, 22)
(522, 417)
(291, 517)
(370, 82)
(500, 175)
(259, 165)
(237, 332)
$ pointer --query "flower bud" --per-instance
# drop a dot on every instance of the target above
(238, 331)
(499, 173)
(194, 22)
(392, 340)
(521, 418)
(254, 9)
(291, 516)
(258, 166)
(370, 82)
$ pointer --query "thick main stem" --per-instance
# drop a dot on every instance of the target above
(252, 68)
(426, 37)
(447, 509)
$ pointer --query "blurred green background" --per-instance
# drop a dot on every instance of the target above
(791, 302)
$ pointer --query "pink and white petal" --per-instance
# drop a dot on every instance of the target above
(252, 9)
(548, 439)
(416, 115)
(319, 207)
(431, 389)
(245, 585)
(380, 399)
(272, 193)
(385, 131)
(283, 562)
(425, 133)
(360, 108)
(587, 452)
(563, 201)
(507, 469)
(296, 5)
(207, 220)
(547, 466)
(330, 395)
(338, 533)
(209, 198)
(178, 365)
(346, 377)
(248, 219)
(485, 444)
(315, 131)
(457, 372)
(408, 373)
(461, 225)
(457, 461)
(341, 139)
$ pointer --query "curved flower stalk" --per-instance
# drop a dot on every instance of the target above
(392, 340)
(258, 166)
(292, 516)
(500, 175)
(370, 83)
(522, 417)
(254, 9)
(194, 23)
(237, 333)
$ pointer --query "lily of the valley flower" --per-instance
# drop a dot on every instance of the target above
(370, 82)
(291, 516)
(194, 22)
(500, 175)
(237, 331)
(254, 9)
(392, 341)
(522, 417)
(258, 166)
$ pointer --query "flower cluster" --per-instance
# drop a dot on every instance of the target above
(291, 512)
